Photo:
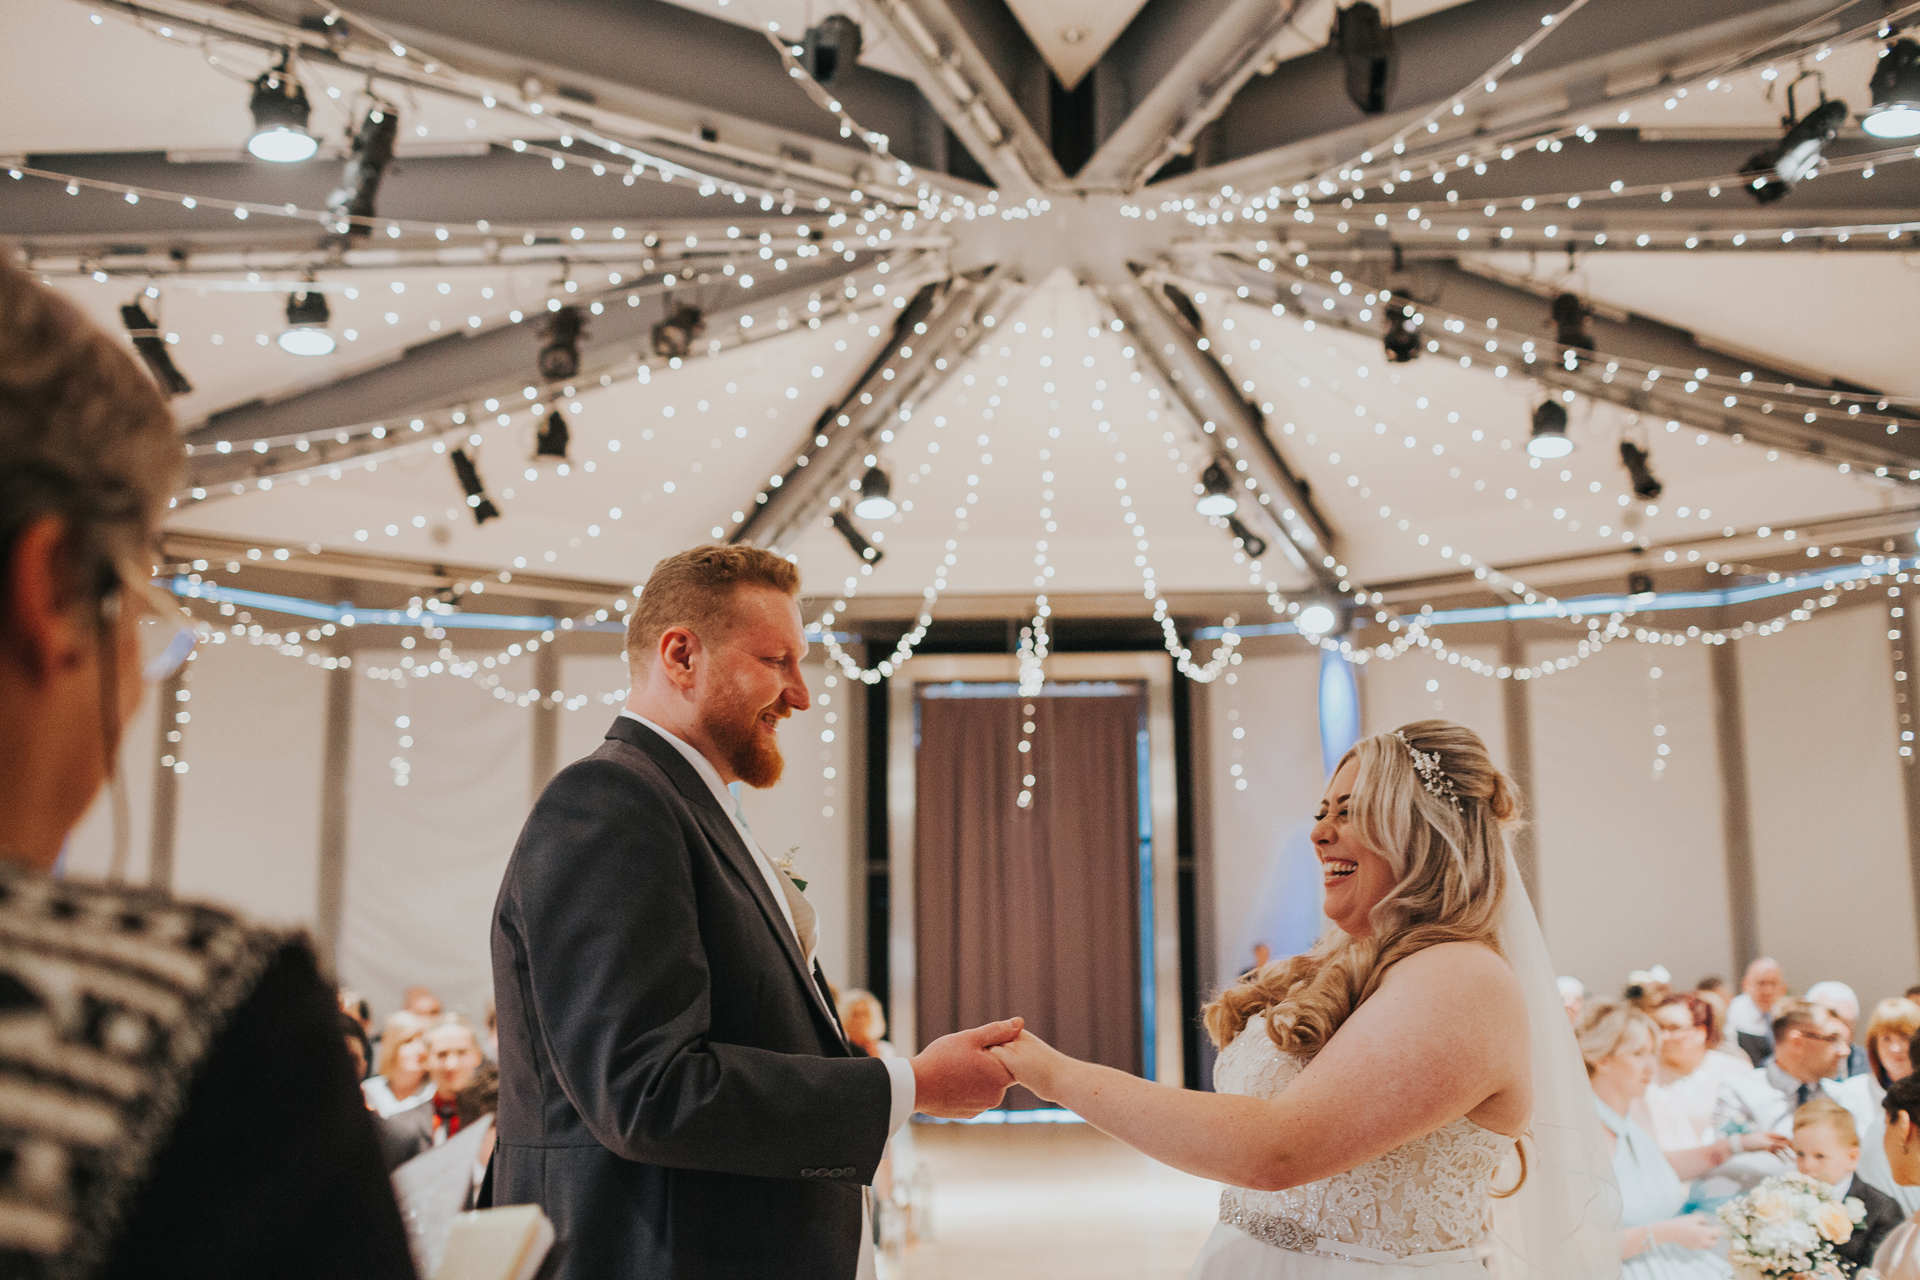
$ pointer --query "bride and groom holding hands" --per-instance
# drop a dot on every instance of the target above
(676, 1092)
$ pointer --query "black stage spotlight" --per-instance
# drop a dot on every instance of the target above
(360, 181)
(855, 539)
(1646, 485)
(1250, 542)
(550, 441)
(1365, 45)
(306, 333)
(1570, 322)
(560, 344)
(832, 45)
(147, 340)
(1403, 331)
(1895, 112)
(483, 508)
(1549, 438)
(1772, 173)
(1216, 492)
(876, 496)
(280, 112)
(674, 337)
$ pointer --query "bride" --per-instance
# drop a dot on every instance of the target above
(1372, 1092)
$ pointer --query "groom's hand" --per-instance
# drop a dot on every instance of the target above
(956, 1078)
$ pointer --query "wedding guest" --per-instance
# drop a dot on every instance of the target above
(453, 1055)
(1656, 1240)
(479, 1100)
(1716, 1001)
(1648, 987)
(1890, 1060)
(357, 1047)
(1751, 1012)
(1837, 998)
(1899, 1255)
(865, 1022)
(1712, 982)
(1688, 1075)
(355, 1006)
(1826, 1147)
(179, 1098)
(400, 1079)
(1808, 1043)
(1573, 994)
(421, 1003)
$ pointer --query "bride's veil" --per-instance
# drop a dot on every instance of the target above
(1564, 1222)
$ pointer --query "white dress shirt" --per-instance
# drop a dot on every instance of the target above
(1764, 1098)
(899, 1070)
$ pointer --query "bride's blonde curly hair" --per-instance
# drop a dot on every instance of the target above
(1450, 868)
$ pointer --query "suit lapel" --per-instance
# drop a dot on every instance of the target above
(720, 831)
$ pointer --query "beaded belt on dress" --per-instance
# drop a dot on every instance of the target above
(1286, 1233)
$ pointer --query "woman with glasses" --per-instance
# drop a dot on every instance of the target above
(177, 1097)
(1890, 1060)
(1687, 1074)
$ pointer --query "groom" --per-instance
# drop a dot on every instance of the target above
(675, 1090)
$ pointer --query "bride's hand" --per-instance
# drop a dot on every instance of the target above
(1032, 1062)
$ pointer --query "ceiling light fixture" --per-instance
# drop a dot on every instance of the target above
(280, 111)
(1774, 172)
(1646, 485)
(366, 166)
(1316, 619)
(673, 337)
(550, 440)
(857, 540)
(829, 47)
(876, 502)
(306, 333)
(1570, 322)
(469, 476)
(1216, 492)
(1549, 439)
(1895, 85)
(1402, 339)
(560, 344)
(1365, 44)
(147, 340)
(1250, 542)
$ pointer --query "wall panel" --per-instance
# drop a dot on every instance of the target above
(1416, 687)
(1829, 825)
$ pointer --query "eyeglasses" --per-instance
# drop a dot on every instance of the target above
(167, 632)
(1831, 1038)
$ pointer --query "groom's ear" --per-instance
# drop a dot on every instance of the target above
(678, 651)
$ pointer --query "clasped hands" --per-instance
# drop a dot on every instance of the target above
(960, 1075)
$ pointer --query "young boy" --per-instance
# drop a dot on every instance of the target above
(1827, 1145)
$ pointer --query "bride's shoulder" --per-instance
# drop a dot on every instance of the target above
(1465, 969)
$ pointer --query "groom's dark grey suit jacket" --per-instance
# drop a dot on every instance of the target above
(675, 1091)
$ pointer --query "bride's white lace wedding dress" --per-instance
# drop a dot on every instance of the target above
(1419, 1210)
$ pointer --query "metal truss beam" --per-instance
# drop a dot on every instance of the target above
(963, 86)
(1298, 120)
(1229, 427)
(361, 416)
(1884, 437)
(926, 347)
(1182, 60)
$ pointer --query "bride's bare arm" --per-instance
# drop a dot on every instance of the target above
(1444, 1036)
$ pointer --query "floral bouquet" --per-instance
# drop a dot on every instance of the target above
(1788, 1226)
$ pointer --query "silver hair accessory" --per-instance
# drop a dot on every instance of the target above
(1432, 777)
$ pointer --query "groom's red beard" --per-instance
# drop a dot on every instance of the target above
(734, 729)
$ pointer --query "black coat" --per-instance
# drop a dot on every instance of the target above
(1883, 1215)
(675, 1091)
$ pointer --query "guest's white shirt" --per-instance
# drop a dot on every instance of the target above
(899, 1070)
(379, 1095)
(1679, 1114)
(1764, 1098)
(1746, 1017)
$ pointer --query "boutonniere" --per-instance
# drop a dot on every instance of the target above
(786, 868)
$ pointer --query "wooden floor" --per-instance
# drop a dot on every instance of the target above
(1021, 1202)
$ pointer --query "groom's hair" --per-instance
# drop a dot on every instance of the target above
(695, 589)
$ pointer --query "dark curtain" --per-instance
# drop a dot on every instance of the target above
(1031, 911)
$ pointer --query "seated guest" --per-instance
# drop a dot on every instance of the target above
(1808, 1043)
(179, 1099)
(1826, 1147)
(355, 1006)
(453, 1055)
(1657, 1241)
(421, 1003)
(1723, 1043)
(400, 1081)
(478, 1102)
(1687, 1077)
(865, 1022)
(357, 1049)
(1573, 994)
(1899, 1256)
(1837, 998)
(1646, 988)
(1751, 1012)
(1712, 982)
(1889, 1060)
